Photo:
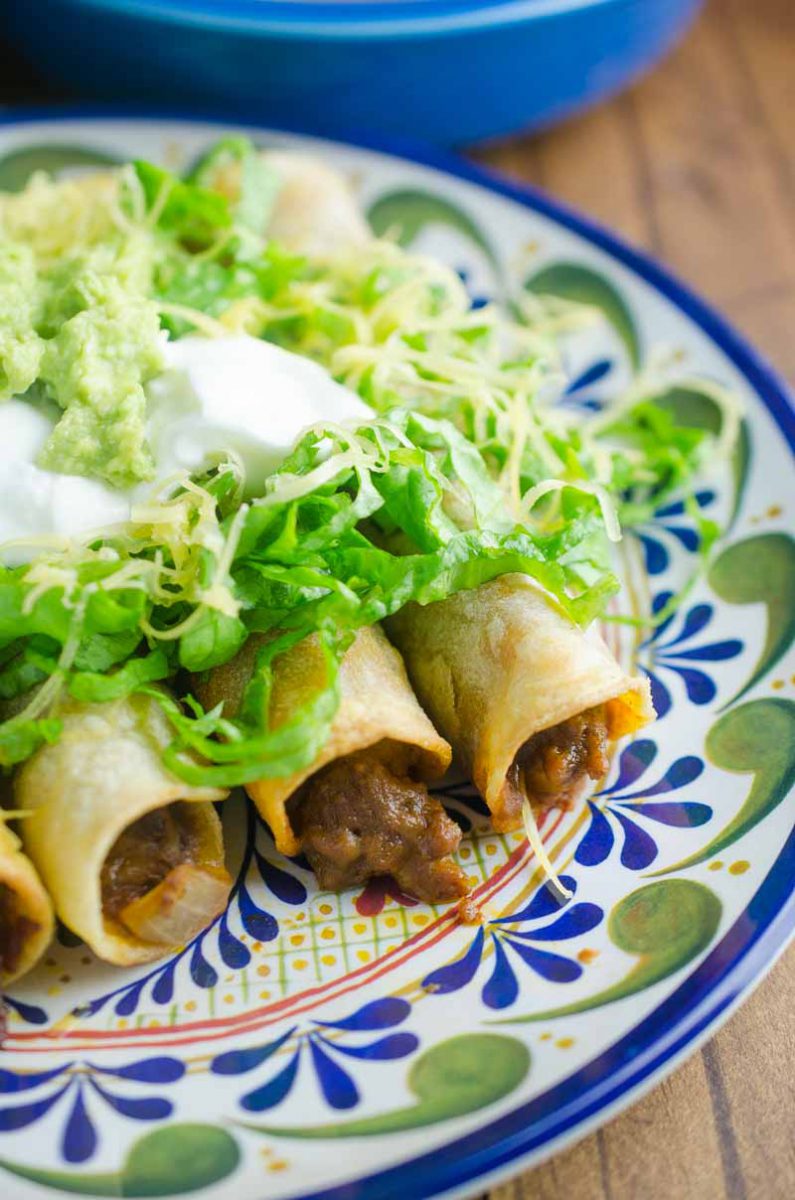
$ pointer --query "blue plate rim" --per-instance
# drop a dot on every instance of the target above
(748, 950)
(343, 19)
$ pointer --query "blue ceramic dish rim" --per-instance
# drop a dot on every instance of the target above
(347, 19)
(652, 1048)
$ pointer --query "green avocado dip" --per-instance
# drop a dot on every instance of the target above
(81, 330)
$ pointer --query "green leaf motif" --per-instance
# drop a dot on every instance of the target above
(760, 570)
(700, 411)
(17, 166)
(572, 281)
(409, 212)
(168, 1162)
(452, 1079)
(757, 738)
(666, 925)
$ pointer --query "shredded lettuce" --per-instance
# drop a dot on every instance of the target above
(467, 470)
(353, 526)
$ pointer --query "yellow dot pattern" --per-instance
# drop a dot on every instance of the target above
(324, 940)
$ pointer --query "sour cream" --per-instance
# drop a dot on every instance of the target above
(35, 502)
(216, 396)
(239, 395)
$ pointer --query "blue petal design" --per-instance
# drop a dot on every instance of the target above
(590, 375)
(657, 605)
(336, 1084)
(590, 404)
(660, 696)
(163, 990)
(699, 687)
(284, 886)
(598, 841)
(11, 1082)
(202, 974)
(689, 538)
(696, 619)
(148, 1070)
(715, 652)
(128, 1001)
(633, 763)
(553, 967)
(273, 1092)
(655, 553)
(378, 1014)
(394, 1045)
(21, 1115)
(238, 1062)
(257, 922)
(680, 773)
(79, 1137)
(640, 849)
(456, 974)
(544, 903)
(138, 1108)
(677, 508)
(28, 1012)
(234, 953)
(683, 814)
(579, 919)
(502, 988)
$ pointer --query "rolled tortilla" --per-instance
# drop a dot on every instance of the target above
(360, 808)
(132, 857)
(26, 916)
(526, 699)
(315, 210)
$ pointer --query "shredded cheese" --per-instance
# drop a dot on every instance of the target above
(538, 848)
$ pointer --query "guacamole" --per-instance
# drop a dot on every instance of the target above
(83, 331)
(21, 348)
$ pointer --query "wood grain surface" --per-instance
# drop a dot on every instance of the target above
(696, 164)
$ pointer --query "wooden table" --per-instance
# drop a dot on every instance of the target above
(696, 164)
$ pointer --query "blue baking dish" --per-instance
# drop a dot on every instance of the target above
(448, 71)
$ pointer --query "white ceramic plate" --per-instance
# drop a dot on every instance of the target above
(311, 1045)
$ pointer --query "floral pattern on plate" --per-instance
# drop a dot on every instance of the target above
(300, 1016)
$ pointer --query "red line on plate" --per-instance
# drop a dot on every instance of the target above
(221, 1027)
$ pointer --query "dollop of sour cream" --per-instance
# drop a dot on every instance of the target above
(215, 396)
(242, 395)
(35, 502)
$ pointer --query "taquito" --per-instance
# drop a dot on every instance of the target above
(132, 857)
(361, 807)
(315, 210)
(527, 700)
(26, 916)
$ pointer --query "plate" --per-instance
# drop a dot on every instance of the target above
(311, 1045)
